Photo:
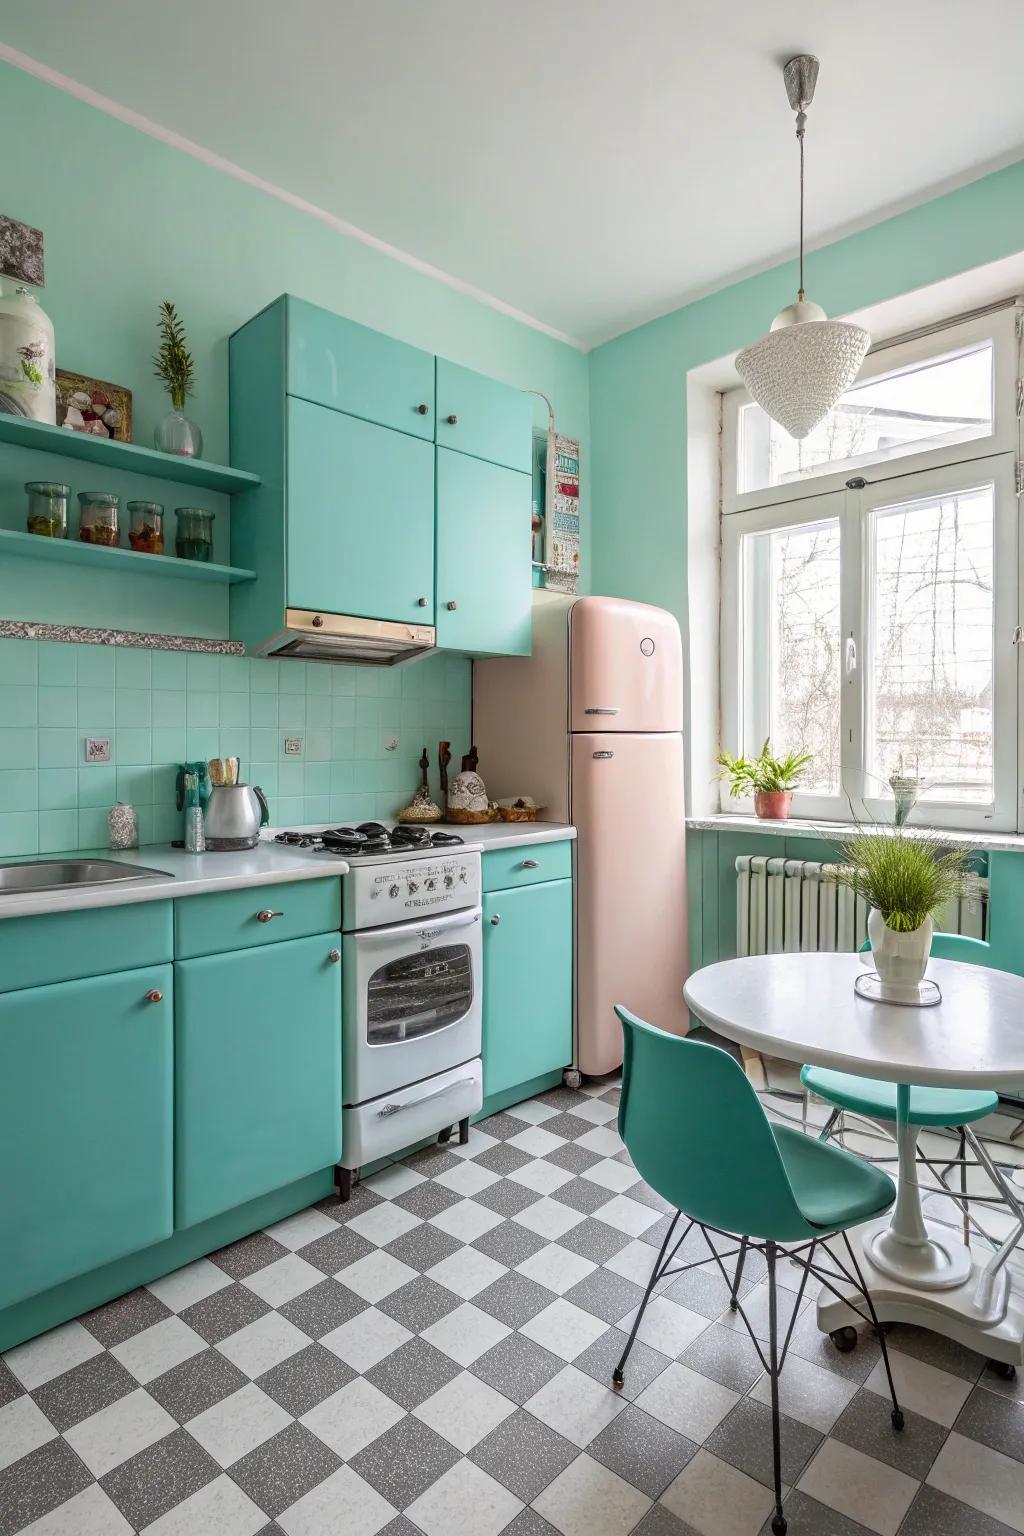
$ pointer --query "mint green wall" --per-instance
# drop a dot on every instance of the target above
(129, 221)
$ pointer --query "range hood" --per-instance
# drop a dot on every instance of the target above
(345, 637)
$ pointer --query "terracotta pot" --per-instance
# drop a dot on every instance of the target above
(773, 805)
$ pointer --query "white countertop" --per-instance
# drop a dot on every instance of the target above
(511, 834)
(839, 831)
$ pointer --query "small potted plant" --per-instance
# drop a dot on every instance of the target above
(771, 780)
(905, 878)
(175, 367)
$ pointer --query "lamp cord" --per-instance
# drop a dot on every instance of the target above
(801, 124)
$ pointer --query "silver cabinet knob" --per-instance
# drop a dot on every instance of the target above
(264, 915)
(334, 955)
(318, 622)
(529, 864)
(153, 996)
(451, 606)
(453, 421)
(496, 919)
(422, 410)
(422, 602)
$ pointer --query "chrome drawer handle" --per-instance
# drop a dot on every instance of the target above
(496, 919)
(334, 955)
(614, 711)
(264, 915)
(391, 1108)
(529, 864)
(153, 996)
(603, 755)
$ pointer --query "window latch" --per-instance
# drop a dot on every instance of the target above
(851, 655)
(1018, 636)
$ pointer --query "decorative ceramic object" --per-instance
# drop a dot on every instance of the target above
(522, 808)
(900, 959)
(21, 252)
(92, 405)
(27, 366)
(175, 367)
(467, 798)
(773, 805)
(124, 826)
(421, 808)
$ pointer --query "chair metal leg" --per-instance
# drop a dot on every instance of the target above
(618, 1375)
(897, 1411)
(734, 1300)
(779, 1519)
(826, 1130)
(962, 1154)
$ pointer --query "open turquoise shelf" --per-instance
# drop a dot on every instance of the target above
(105, 557)
(130, 457)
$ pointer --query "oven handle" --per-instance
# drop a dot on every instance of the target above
(415, 930)
(391, 1108)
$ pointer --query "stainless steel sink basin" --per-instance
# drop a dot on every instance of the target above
(65, 874)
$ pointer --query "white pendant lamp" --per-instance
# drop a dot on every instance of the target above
(799, 370)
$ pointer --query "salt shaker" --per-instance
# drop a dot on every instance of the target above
(124, 826)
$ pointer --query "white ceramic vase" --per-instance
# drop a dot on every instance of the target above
(900, 959)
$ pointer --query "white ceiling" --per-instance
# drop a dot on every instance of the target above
(592, 163)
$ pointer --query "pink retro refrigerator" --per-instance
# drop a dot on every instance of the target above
(591, 726)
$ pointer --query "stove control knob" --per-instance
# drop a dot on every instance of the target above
(449, 881)
(393, 891)
(431, 884)
(374, 894)
(413, 887)
(463, 876)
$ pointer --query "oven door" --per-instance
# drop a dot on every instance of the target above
(412, 1003)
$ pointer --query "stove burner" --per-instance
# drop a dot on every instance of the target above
(369, 838)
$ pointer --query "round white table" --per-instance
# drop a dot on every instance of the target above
(802, 1008)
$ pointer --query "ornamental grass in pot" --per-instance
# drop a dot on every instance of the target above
(771, 780)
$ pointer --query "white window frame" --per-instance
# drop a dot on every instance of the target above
(986, 460)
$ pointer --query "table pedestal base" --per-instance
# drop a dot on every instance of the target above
(936, 1261)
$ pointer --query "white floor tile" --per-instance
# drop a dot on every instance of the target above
(184, 1287)
(602, 1140)
(23, 1428)
(342, 1503)
(466, 1220)
(808, 1393)
(392, 1181)
(51, 1354)
(859, 1486)
(627, 1215)
(597, 1112)
(717, 1499)
(366, 1339)
(532, 1111)
(478, 1142)
(566, 1330)
(465, 1410)
(107, 1438)
(687, 1402)
(923, 1388)
(540, 1176)
(611, 1175)
(157, 1349)
(556, 1268)
(302, 1228)
(376, 1275)
(467, 1272)
(467, 1178)
(575, 1405)
(238, 1424)
(89, 1513)
(283, 1280)
(984, 1478)
(465, 1334)
(667, 1326)
(353, 1417)
(536, 1141)
(263, 1344)
(634, 1262)
(548, 1218)
(589, 1500)
(219, 1509)
(383, 1223)
(465, 1499)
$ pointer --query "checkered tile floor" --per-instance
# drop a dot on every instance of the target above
(434, 1358)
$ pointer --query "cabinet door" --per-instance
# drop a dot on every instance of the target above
(86, 1082)
(360, 517)
(483, 556)
(338, 363)
(478, 415)
(257, 1073)
(527, 983)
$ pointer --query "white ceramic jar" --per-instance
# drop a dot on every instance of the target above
(27, 362)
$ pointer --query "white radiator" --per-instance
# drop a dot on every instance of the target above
(789, 905)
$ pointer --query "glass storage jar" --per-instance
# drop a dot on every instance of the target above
(98, 520)
(47, 508)
(194, 537)
(146, 527)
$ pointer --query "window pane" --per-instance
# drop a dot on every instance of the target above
(942, 401)
(931, 671)
(792, 645)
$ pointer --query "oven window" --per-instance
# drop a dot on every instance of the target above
(419, 994)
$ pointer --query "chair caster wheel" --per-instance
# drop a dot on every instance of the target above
(898, 1420)
(844, 1339)
(779, 1526)
(1004, 1368)
(618, 1381)
(571, 1078)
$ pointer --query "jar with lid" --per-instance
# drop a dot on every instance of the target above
(194, 536)
(146, 528)
(98, 517)
(47, 508)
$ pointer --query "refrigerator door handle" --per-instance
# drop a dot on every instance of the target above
(597, 711)
(604, 754)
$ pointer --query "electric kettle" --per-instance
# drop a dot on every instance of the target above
(234, 815)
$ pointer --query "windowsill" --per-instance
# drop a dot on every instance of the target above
(998, 842)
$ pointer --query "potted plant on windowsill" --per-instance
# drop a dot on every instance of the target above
(905, 878)
(771, 780)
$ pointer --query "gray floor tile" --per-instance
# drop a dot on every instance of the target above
(284, 1468)
(563, 1098)
(503, 1159)
(808, 1341)
(432, 1160)
(755, 1308)
(726, 1356)
(146, 1486)
(529, 1523)
(806, 1517)
(273, 1529)
(427, 1199)
(10, 1386)
(661, 1522)
(419, 1304)
(323, 1308)
(744, 1440)
(995, 1382)
(865, 1423)
(513, 1299)
(655, 1234)
(342, 1211)
(124, 1317)
(572, 1158)
(249, 1254)
(567, 1125)
(500, 1126)
(77, 1393)
(641, 1450)
(933, 1349)
(595, 1240)
(936, 1514)
(994, 1420)
(400, 1526)
(412, 1373)
(523, 1455)
(217, 1316)
(336, 1250)
(506, 1198)
(600, 1359)
(703, 1293)
(510, 1244)
(582, 1195)
(605, 1295)
(423, 1247)
(196, 1384)
(305, 1379)
(405, 1461)
(517, 1367)
(37, 1483)
(643, 1194)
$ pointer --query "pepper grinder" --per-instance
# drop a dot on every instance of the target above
(444, 757)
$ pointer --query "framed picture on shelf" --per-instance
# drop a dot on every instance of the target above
(93, 405)
(21, 251)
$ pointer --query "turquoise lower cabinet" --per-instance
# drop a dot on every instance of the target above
(483, 556)
(86, 1132)
(257, 1072)
(527, 1025)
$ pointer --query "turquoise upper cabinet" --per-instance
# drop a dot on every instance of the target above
(483, 556)
(85, 1125)
(362, 372)
(257, 1072)
(479, 416)
(361, 517)
(527, 1016)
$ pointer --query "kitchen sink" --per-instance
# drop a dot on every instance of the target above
(65, 874)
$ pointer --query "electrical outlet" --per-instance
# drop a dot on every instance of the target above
(390, 743)
(97, 749)
(293, 746)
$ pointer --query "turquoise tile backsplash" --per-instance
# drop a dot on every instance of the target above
(161, 707)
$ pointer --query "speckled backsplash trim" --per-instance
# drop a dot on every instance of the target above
(76, 634)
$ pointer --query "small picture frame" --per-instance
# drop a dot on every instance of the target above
(92, 405)
(21, 251)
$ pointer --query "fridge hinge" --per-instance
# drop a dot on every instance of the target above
(1019, 324)
(1020, 397)
(1019, 476)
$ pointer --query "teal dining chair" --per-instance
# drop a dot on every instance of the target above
(698, 1135)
